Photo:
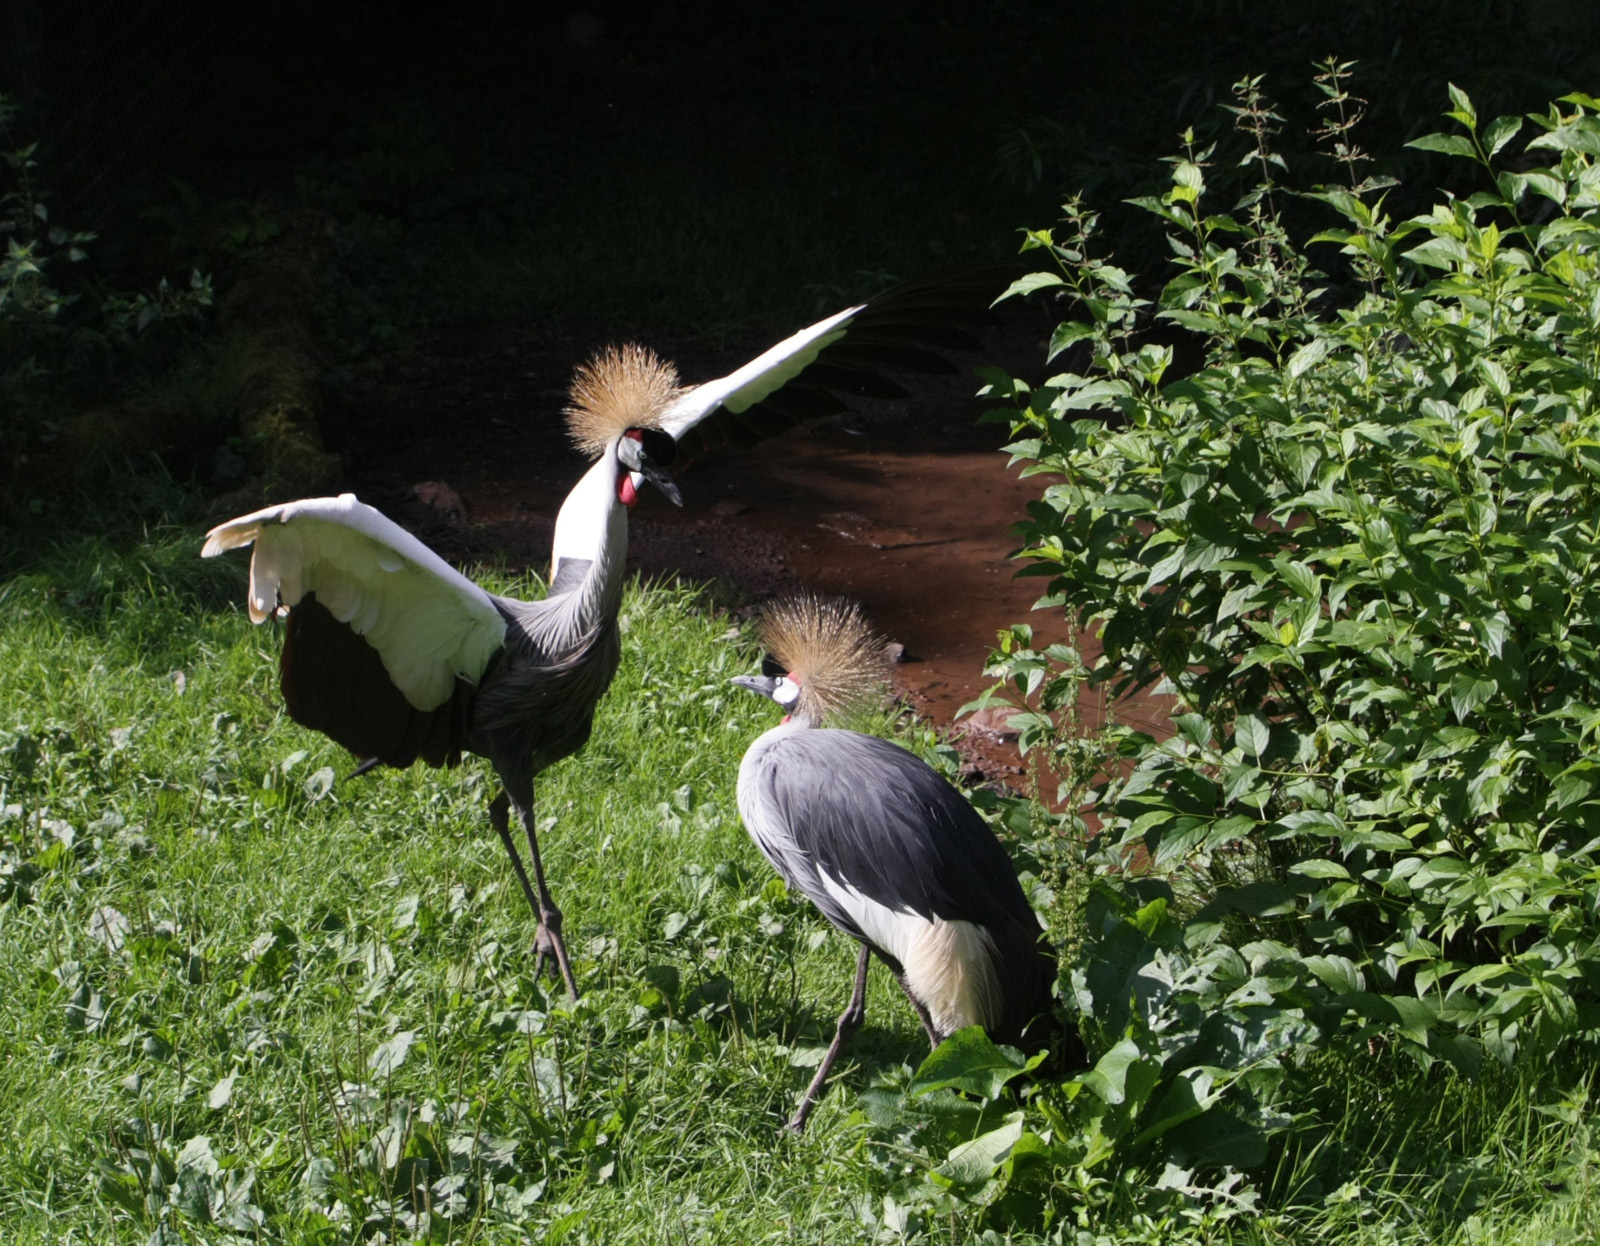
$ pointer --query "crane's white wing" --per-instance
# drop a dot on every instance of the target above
(767, 372)
(428, 622)
(908, 328)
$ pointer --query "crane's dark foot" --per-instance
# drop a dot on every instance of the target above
(548, 946)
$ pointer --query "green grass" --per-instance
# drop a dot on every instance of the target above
(248, 929)
(242, 1005)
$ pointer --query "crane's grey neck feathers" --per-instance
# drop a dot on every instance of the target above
(828, 648)
(622, 387)
(592, 529)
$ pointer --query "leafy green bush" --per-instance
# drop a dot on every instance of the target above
(1354, 537)
(1358, 545)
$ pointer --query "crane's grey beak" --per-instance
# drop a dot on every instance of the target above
(660, 478)
(766, 685)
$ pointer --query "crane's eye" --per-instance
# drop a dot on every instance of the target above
(771, 667)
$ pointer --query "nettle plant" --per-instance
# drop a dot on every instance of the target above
(1359, 544)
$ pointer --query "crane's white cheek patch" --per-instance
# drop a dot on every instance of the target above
(786, 692)
(949, 966)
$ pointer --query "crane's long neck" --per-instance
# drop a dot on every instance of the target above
(591, 545)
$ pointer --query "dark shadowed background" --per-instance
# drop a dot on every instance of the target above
(416, 219)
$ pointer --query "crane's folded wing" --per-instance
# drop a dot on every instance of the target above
(430, 625)
(877, 819)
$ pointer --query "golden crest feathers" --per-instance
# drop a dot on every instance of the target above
(622, 387)
(827, 647)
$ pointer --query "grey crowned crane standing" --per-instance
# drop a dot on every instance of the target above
(394, 654)
(891, 853)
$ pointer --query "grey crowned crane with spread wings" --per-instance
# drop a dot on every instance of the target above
(891, 853)
(394, 654)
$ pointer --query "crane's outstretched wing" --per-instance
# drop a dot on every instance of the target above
(335, 561)
(807, 375)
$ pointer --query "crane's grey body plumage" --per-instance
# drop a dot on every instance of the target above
(536, 703)
(877, 839)
(874, 817)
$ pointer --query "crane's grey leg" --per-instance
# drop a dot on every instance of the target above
(849, 1022)
(548, 941)
(934, 1037)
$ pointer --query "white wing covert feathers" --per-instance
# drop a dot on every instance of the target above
(909, 328)
(427, 621)
(767, 372)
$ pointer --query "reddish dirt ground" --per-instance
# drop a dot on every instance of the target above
(906, 505)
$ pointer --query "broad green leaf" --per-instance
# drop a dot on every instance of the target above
(1319, 867)
(390, 1055)
(1500, 131)
(975, 1161)
(970, 1062)
(1314, 822)
(1066, 334)
(1301, 578)
(222, 1093)
(1192, 1092)
(1468, 691)
(1337, 973)
(1449, 144)
(1193, 728)
(1307, 357)
(1480, 975)
(1107, 1081)
(1438, 869)
(1252, 734)
(1439, 253)
(1030, 283)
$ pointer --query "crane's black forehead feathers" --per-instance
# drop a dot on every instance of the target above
(659, 446)
(771, 667)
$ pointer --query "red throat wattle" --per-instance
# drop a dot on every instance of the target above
(626, 493)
